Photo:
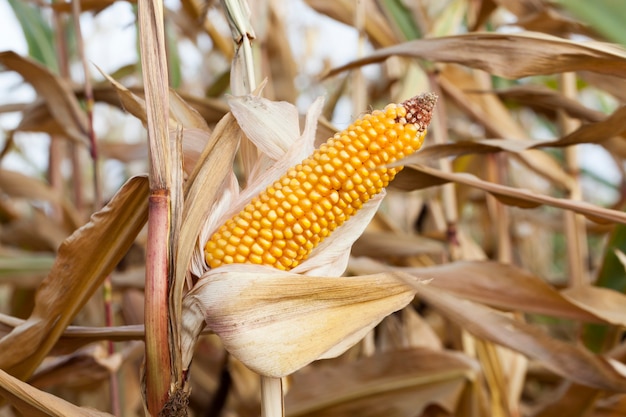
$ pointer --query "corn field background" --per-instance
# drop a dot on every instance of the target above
(511, 215)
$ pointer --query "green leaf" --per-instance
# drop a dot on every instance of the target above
(604, 16)
(37, 32)
(173, 58)
(401, 18)
(611, 275)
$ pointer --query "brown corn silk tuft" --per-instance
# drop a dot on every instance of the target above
(282, 225)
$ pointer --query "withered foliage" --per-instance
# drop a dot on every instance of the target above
(506, 230)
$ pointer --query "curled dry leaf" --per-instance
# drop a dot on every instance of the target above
(495, 284)
(396, 384)
(78, 369)
(84, 260)
(596, 132)
(277, 322)
(195, 129)
(419, 176)
(498, 53)
(546, 100)
(603, 302)
(22, 186)
(32, 402)
(59, 98)
(377, 244)
(571, 362)
(376, 25)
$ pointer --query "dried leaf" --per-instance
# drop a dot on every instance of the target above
(569, 361)
(59, 98)
(548, 101)
(596, 132)
(382, 244)
(376, 26)
(492, 283)
(83, 261)
(602, 302)
(395, 384)
(419, 177)
(22, 186)
(32, 402)
(498, 54)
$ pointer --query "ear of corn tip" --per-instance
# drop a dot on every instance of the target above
(281, 226)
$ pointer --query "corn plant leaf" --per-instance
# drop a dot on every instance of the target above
(85, 5)
(212, 110)
(84, 260)
(576, 401)
(37, 32)
(31, 401)
(602, 302)
(19, 185)
(546, 100)
(604, 16)
(60, 99)
(495, 284)
(276, 323)
(497, 53)
(24, 268)
(37, 118)
(571, 362)
(420, 176)
(377, 26)
(37, 231)
(80, 368)
(381, 244)
(397, 384)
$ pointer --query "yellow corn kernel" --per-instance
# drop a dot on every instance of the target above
(282, 225)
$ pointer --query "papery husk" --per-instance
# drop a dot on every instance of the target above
(277, 322)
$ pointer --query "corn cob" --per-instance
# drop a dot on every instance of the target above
(281, 226)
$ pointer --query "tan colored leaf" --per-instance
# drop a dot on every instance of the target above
(35, 403)
(420, 176)
(611, 84)
(548, 20)
(276, 323)
(569, 361)
(546, 100)
(212, 110)
(36, 231)
(602, 302)
(376, 25)
(498, 122)
(492, 283)
(131, 102)
(498, 54)
(37, 118)
(77, 369)
(381, 244)
(280, 56)
(85, 5)
(596, 132)
(185, 114)
(124, 152)
(83, 261)
(430, 153)
(575, 401)
(22, 186)
(60, 99)
(396, 384)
